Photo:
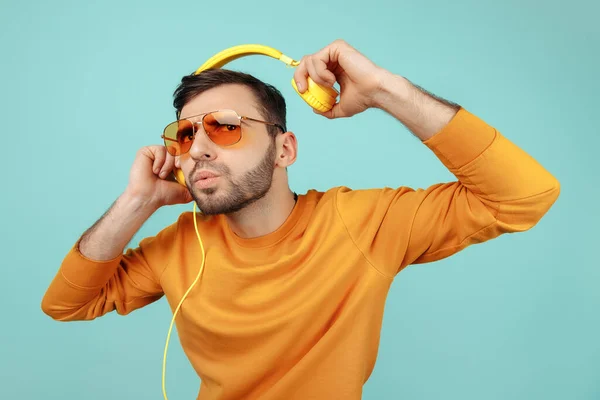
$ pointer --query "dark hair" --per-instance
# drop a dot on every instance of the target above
(270, 101)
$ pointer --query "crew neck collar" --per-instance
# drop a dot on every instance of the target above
(273, 237)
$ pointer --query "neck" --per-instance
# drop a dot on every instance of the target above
(265, 215)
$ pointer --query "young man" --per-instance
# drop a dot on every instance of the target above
(291, 299)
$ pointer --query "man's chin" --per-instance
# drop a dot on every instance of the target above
(222, 203)
(206, 192)
(211, 201)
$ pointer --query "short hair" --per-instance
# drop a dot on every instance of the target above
(270, 101)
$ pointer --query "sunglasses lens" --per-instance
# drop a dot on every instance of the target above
(179, 137)
(223, 127)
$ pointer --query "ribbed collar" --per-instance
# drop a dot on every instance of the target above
(273, 237)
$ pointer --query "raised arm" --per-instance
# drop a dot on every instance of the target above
(98, 275)
(499, 188)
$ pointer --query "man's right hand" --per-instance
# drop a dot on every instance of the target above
(147, 191)
(149, 178)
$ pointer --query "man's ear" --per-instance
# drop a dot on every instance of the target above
(286, 149)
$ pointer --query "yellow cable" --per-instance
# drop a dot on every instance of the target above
(179, 305)
(218, 61)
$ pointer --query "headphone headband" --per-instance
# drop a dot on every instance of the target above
(321, 98)
(235, 52)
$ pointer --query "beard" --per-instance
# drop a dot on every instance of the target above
(247, 189)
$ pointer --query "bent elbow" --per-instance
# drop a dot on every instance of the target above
(50, 308)
(524, 214)
(545, 200)
(60, 312)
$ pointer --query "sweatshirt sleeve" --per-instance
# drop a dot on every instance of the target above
(499, 189)
(84, 289)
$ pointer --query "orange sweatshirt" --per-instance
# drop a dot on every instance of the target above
(296, 314)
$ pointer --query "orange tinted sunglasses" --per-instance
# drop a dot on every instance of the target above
(223, 127)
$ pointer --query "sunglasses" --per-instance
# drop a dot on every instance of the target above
(223, 127)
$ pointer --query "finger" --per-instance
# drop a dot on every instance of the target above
(167, 167)
(300, 75)
(159, 159)
(334, 112)
(317, 76)
(321, 67)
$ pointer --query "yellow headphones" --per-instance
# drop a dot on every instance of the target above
(319, 97)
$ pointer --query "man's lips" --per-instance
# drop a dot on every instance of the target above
(201, 175)
(204, 179)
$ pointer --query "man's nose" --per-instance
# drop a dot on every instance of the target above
(202, 147)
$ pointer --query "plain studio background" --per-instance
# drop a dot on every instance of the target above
(85, 84)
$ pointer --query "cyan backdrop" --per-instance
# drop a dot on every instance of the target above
(86, 83)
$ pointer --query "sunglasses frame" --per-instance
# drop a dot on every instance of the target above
(201, 122)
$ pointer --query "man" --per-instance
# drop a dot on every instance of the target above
(291, 300)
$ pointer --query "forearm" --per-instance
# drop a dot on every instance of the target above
(107, 238)
(513, 185)
(422, 113)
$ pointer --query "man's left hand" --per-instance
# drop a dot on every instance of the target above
(359, 78)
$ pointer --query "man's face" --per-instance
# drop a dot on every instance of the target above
(244, 170)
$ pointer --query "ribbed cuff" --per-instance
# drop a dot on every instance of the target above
(86, 273)
(462, 140)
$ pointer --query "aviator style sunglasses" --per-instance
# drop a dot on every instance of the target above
(223, 127)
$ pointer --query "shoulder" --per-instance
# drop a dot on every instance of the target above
(344, 196)
(345, 200)
(346, 193)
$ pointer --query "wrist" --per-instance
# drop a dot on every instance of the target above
(421, 112)
(134, 203)
(392, 90)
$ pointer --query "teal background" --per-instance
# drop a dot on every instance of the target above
(85, 84)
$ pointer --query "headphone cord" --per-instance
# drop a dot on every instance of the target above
(164, 367)
(179, 305)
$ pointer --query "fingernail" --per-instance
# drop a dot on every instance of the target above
(299, 85)
(163, 174)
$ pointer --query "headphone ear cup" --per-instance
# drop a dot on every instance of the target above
(321, 98)
(179, 176)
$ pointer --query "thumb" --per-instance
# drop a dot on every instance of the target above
(177, 194)
(185, 194)
(334, 112)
